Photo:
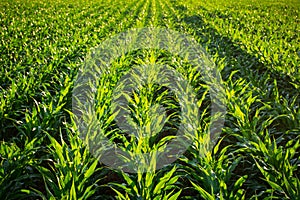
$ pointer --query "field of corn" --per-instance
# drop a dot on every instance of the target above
(255, 44)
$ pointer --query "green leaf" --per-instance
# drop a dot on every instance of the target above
(163, 180)
(202, 192)
(91, 170)
(240, 182)
(175, 196)
(73, 191)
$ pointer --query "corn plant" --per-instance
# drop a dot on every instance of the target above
(43, 154)
(72, 168)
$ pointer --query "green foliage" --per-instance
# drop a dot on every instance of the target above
(255, 45)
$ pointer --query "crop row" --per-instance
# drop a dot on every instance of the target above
(254, 44)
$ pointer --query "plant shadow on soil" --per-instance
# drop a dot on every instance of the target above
(249, 67)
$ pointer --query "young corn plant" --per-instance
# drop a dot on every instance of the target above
(279, 166)
(72, 170)
(148, 185)
(211, 174)
(254, 43)
(146, 120)
(18, 169)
